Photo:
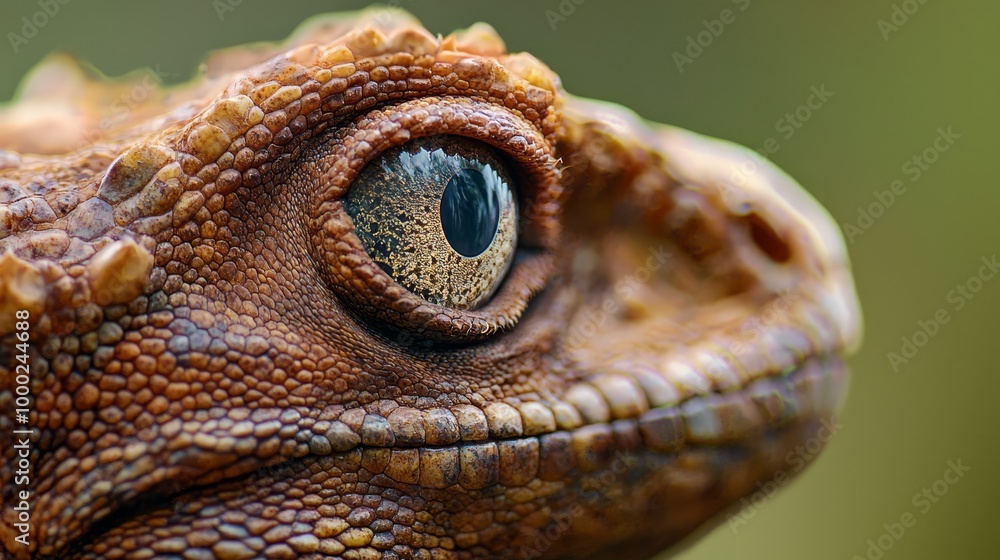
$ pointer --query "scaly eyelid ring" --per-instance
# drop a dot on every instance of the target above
(358, 281)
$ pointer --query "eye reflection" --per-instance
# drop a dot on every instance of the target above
(439, 215)
(470, 210)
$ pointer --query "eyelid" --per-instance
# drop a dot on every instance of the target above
(375, 132)
(354, 276)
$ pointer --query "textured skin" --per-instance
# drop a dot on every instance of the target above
(219, 370)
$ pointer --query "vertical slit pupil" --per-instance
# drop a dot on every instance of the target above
(470, 210)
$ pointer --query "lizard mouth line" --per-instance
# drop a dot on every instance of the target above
(483, 456)
(813, 390)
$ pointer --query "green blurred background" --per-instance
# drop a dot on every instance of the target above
(893, 86)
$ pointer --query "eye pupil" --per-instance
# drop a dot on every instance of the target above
(439, 215)
(470, 211)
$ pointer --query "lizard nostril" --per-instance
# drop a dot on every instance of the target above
(768, 240)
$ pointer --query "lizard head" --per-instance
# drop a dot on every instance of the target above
(375, 293)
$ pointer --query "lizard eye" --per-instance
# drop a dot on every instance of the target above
(439, 216)
(434, 217)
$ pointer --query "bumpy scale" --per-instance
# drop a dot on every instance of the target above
(220, 370)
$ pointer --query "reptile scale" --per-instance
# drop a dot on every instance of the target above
(376, 293)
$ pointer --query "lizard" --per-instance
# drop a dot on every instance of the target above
(378, 293)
